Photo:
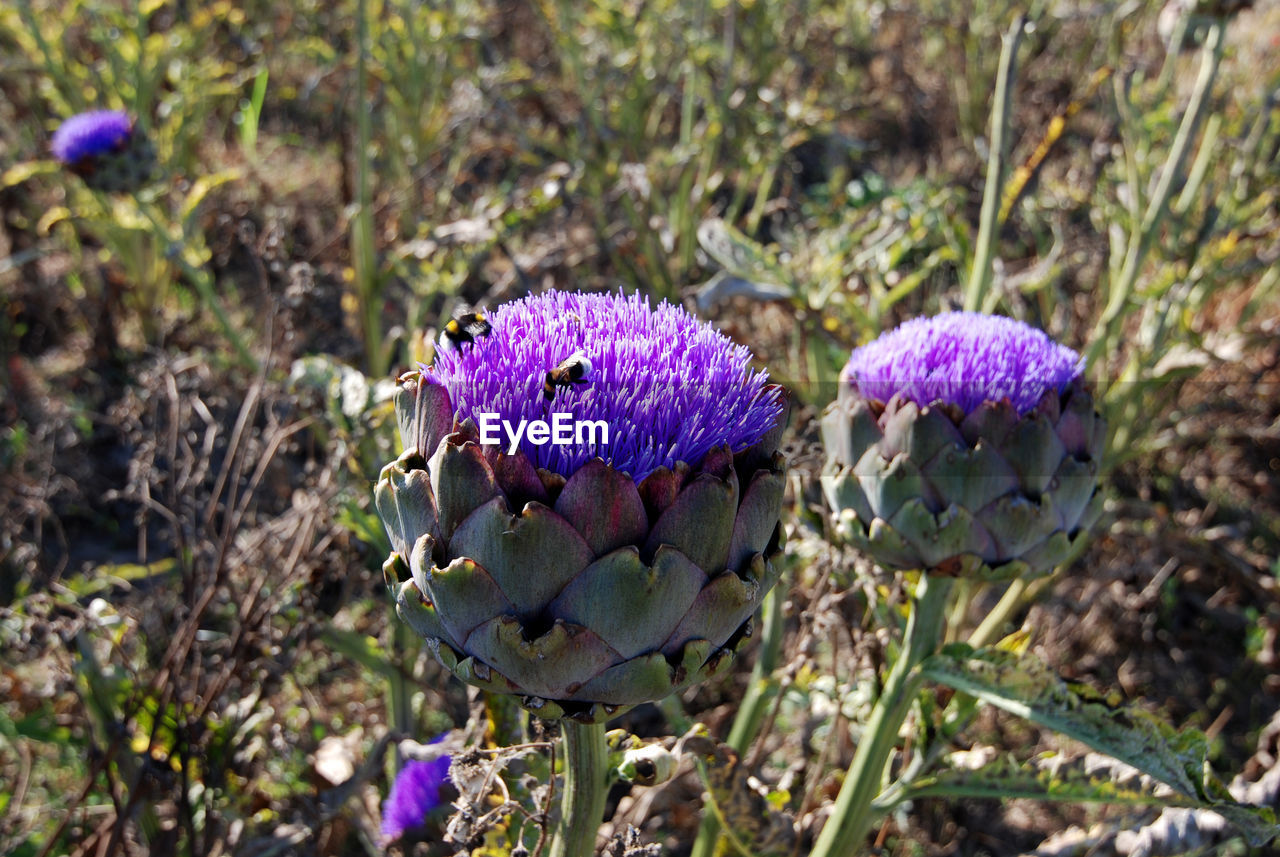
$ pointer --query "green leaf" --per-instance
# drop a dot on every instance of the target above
(362, 649)
(201, 188)
(1027, 687)
(19, 173)
(1047, 777)
(741, 257)
(105, 577)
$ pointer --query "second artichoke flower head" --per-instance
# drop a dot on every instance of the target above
(964, 445)
(585, 577)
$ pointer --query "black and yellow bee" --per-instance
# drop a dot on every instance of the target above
(464, 327)
(575, 370)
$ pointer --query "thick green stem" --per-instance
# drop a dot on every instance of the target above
(581, 808)
(760, 692)
(851, 817)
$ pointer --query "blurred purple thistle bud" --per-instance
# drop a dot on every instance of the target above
(104, 149)
(419, 788)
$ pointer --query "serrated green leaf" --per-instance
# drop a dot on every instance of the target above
(1006, 777)
(1027, 687)
(740, 256)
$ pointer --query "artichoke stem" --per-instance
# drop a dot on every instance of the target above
(585, 789)
(846, 830)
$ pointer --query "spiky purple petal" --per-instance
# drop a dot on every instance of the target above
(962, 359)
(670, 386)
(89, 135)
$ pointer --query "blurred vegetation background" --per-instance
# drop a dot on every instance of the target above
(199, 657)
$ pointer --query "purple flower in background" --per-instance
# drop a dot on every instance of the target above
(964, 359)
(416, 791)
(669, 386)
(103, 148)
(89, 135)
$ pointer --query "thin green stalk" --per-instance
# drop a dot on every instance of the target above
(203, 283)
(997, 156)
(1140, 242)
(994, 621)
(746, 724)
(966, 593)
(362, 255)
(1020, 593)
(851, 816)
(399, 695)
(582, 806)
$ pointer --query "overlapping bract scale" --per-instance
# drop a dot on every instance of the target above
(582, 595)
(995, 489)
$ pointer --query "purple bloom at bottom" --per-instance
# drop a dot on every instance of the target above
(670, 386)
(416, 791)
(962, 359)
(90, 135)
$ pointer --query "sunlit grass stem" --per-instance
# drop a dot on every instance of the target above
(997, 156)
(363, 261)
(1144, 232)
(761, 691)
(201, 280)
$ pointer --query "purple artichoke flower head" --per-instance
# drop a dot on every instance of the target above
(964, 445)
(963, 359)
(91, 135)
(584, 574)
(103, 148)
(419, 788)
(669, 386)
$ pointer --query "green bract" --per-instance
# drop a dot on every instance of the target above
(582, 595)
(986, 489)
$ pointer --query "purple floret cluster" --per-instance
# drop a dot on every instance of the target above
(415, 792)
(670, 386)
(963, 359)
(89, 135)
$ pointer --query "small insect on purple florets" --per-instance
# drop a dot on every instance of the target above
(464, 327)
(575, 370)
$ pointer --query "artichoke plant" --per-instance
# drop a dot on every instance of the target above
(596, 574)
(966, 445)
(105, 150)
